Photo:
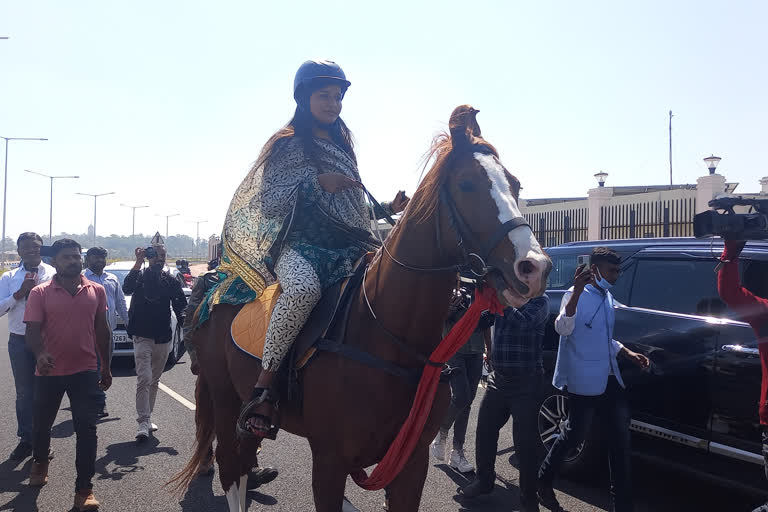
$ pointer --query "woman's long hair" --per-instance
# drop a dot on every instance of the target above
(300, 126)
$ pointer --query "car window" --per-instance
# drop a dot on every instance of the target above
(563, 268)
(119, 274)
(678, 286)
(620, 290)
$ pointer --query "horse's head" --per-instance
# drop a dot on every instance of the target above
(479, 197)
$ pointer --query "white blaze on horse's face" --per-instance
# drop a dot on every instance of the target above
(530, 261)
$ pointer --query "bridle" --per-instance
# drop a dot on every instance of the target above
(464, 236)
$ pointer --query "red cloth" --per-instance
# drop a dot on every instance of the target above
(751, 308)
(68, 323)
(402, 447)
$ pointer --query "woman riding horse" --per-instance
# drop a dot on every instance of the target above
(299, 218)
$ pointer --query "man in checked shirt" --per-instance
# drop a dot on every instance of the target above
(513, 389)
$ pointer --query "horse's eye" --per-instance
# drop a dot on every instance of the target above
(467, 186)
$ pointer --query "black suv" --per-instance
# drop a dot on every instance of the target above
(696, 407)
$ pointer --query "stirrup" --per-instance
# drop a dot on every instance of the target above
(259, 396)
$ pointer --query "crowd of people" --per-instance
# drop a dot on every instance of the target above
(61, 318)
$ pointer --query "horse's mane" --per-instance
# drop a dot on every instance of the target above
(445, 155)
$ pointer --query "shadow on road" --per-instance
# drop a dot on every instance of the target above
(13, 480)
(124, 457)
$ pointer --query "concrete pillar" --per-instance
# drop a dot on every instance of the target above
(707, 188)
(764, 186)
(597, 197)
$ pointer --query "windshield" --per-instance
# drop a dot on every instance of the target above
(120, 274)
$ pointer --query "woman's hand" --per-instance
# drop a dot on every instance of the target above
(333, 182)
(400, 202)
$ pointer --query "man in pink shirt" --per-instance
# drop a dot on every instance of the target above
(66, 321)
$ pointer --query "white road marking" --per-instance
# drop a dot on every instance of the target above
(183, 401)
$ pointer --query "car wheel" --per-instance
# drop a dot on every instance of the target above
(177, 350)
(553, 413)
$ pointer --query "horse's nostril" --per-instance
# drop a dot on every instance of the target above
(525, 267)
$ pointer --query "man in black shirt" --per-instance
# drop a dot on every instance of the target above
(513, 389)
(154, 292)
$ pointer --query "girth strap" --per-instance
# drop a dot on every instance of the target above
(361, 356)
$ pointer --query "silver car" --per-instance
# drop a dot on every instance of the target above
(122, 344)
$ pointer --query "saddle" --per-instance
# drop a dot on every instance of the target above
(328, 319)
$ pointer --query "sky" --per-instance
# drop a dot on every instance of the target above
(168, 103)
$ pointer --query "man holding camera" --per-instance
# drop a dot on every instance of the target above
(752, 306)
(588, 371)
(15, 286)
(154, 292)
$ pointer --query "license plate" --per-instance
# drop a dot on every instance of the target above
(119, 338)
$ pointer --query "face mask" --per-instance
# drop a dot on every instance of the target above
(157, 267)
(602, 283)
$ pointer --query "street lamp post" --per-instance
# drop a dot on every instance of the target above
(5, 191)
(133, 223)
(50, 219)
(197, 235)
(166, 221)
(94, 196)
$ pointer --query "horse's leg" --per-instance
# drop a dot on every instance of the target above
(227, 408)
(404, 493)
(328, 480)
(248, 450)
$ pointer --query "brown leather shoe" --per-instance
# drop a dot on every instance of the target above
(85, 500)
(38, 474)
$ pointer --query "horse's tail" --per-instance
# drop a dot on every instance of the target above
(204, 419)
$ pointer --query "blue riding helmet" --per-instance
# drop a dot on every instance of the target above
(323, 70)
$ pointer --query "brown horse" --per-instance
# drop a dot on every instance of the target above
(464, 212)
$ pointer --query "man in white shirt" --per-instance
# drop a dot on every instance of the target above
(15, 286)
(96, 260)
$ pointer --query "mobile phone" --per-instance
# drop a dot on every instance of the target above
(584, 259)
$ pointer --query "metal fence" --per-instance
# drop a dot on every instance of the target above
(672, 217)
(559, 227)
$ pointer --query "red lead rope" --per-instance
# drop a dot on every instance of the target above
(402, 447)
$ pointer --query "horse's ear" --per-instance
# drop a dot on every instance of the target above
(463, 126)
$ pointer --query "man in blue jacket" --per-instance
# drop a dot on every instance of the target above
(588, 371)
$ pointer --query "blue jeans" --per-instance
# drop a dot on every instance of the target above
(83, 392)
(23, 367)
(612, 411)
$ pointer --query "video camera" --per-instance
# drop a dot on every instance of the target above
(731, 225)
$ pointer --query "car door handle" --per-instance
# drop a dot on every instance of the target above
(741, 349)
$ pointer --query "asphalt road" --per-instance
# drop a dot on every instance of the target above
(130, 476)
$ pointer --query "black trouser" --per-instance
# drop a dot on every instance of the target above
(84, 395)
(515, 395)
(466, 375)
(612, 411)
